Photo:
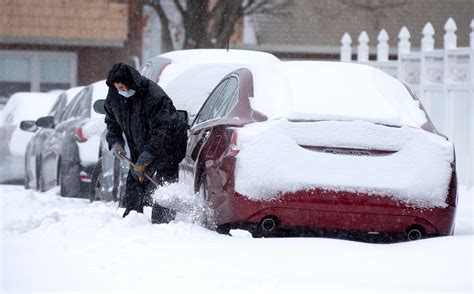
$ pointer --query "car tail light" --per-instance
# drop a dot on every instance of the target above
(85, 177)
(232, 150)
(80, 137)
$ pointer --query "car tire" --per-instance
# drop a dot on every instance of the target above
(203, 213)
(26, 185)
(95, 193)
(69, 183)
(39, 177)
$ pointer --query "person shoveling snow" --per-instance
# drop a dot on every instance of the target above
(141, 110)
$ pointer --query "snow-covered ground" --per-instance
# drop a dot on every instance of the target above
(51, 244)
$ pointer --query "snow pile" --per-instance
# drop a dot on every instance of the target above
(63, 245)
(272, 161)
(94, 127)
(313, 90)
(189, 206)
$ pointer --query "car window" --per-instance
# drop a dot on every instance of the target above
(58, 107)
(71, 109)
(86, 104)
(221, 105)
(206, 110)
(229, 104)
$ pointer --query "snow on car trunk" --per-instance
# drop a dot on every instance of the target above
(415, 167)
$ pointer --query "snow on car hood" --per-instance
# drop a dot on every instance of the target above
(271, 160)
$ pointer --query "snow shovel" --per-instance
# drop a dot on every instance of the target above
(144, 173)
(159, 214)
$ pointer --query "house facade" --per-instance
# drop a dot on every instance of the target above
(58, 44)
(313, 29)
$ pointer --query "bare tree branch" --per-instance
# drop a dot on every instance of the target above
(180, 7)
(207, 26)
(267, 7)
(368, 5)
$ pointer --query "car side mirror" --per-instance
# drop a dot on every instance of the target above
(46, 122)
(183, 116)
(28, 126)
(99, 106)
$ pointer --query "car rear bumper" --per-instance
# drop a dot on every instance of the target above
(320, 209)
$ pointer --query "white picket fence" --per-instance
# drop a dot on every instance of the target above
(443, 79)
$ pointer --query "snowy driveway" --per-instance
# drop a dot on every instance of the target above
(50, 244)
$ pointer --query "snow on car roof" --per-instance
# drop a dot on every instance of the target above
(218, 55)
(315, 90)
(182, 60)
(27, 106)
(192, 87)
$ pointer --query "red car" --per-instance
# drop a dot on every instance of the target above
(324, 147)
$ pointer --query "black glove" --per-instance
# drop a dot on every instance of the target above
(118, 151)
(138, 170)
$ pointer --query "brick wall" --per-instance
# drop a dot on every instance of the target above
(99, 20)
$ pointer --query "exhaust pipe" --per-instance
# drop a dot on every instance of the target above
(414, 234)
(268, 224)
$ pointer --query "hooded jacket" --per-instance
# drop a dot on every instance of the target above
(148, 118)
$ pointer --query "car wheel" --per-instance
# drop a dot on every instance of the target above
(70, 185)
(203, 214)
(96, 183)
(27, 178)
(39, 177)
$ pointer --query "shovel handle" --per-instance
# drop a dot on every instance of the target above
(144, 173)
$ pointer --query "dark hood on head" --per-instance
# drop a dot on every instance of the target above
(124, 74)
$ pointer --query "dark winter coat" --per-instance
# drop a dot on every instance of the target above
(148, 118)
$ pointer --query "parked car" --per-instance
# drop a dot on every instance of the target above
(322, 146)
(187, 76)
(35, 147)
(164, 68)
(13, 141)
(109, 174)
(70, 154)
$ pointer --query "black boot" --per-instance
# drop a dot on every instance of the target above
(160, 214)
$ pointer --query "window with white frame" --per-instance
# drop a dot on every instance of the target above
(36, 71)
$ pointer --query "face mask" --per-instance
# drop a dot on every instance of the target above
(127, 94)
